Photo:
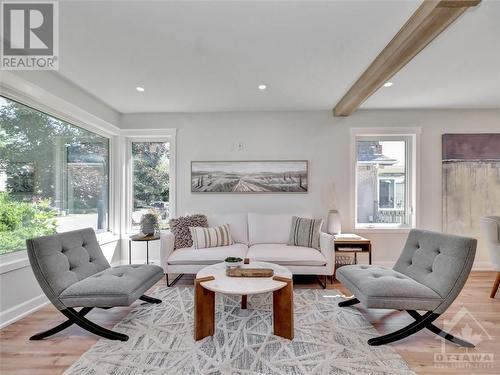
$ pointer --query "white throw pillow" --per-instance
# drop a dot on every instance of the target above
(211, 237)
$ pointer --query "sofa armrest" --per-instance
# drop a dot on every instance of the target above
(327, 247)
(167, 240)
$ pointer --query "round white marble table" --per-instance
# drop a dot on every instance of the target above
(212, 279)
(243, 285)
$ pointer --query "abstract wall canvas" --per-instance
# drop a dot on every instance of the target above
(471, 181)
(290, 176)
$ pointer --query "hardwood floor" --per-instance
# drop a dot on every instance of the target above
(18, 355)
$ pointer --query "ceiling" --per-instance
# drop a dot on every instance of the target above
(199, 56)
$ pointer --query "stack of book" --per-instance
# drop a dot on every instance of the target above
(347, 237)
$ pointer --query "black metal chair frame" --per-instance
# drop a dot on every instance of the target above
(78, 318)
(421, 322)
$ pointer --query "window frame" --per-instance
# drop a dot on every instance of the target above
(62, 110)
(130, 136)
(412, 135)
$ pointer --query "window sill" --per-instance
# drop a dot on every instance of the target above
(13, 261)
(19, 259)
(365, 230)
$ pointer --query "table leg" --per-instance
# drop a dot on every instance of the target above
(204, 309)
(370, 253)
(355, 258)
(147, 252)
(129, 252)
(244, 300)
(283, 309)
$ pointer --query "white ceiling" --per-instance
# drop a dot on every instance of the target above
(201, 56)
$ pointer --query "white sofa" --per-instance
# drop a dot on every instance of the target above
(260, 237)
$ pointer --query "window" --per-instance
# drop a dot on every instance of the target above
(150, 162)
(384, 181)
(53, 176)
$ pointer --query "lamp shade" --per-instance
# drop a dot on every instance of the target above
(334, 225)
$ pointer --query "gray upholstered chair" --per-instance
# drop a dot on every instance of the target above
(490, 226)
(428, 276)
(73, 272)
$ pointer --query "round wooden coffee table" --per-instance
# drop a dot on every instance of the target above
(212, 279)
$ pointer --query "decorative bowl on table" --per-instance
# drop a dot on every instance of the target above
(232, 262)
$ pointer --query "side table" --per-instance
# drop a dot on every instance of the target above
(355, 243)
(141, 238)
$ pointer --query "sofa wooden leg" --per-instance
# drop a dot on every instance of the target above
(495, 286)
(40, 336)
(322, 282)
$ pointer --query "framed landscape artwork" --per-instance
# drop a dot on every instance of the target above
(471, 181)
(290, 176)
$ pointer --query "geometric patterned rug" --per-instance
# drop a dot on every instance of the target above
(328, 340)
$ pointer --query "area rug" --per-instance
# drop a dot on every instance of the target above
(328, 340)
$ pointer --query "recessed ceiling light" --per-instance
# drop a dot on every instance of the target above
(388, 84)
(262, 87)
(140, 89)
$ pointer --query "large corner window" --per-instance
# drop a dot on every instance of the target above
(384, 181)
(150, 182)
(53, 176)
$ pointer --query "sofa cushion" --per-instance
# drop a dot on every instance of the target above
(305, 232)
(384, 288)
(269, 228)
(211, 237)
(189, 255)
(238, 223)
(180, 228)
(116, 286)
(286, 255)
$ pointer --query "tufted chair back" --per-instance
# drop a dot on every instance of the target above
(63, 259)
(439, 261)
(490, 226)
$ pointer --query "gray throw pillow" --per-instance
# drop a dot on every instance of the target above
(305, 232)
(180, 229)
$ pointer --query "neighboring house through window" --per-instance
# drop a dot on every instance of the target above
(384, 181)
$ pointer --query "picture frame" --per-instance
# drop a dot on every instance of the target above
(250, 176)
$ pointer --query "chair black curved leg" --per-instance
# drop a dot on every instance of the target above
(175, 280)
(404, 332)
(86, 324)
(349, 302)
(149, 299)
(438, 331)
(40, 336)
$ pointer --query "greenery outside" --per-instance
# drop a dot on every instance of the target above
(53, 175)
(22, 220)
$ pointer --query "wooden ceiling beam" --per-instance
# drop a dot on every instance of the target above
(425, 24)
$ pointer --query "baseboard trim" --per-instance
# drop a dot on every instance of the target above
(17, 312)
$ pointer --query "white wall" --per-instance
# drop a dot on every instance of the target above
(324, 141)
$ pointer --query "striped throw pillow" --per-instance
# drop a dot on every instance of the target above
(305, 232)
(211, 237)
